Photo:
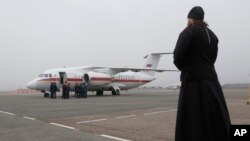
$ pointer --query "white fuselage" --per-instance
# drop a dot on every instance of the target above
(100, 80)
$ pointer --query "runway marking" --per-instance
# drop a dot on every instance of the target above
(29, 118)
(115, 138)
(125, 116)
(65, 126)
(167, 107)
(81, 122)
(158, 112)
(8, 113)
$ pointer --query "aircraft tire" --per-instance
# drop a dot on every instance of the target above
(46, 95)
(113, 92)
(117, 92)
(99, 93)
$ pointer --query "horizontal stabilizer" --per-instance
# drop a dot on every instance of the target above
(140, 69)
(165, 53)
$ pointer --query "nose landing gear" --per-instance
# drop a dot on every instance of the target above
(115, 90)
(45, 94)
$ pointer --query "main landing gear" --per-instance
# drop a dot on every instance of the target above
(45, 94)
(115, 91)
(99, 93)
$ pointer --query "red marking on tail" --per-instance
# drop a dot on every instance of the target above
(149, 65)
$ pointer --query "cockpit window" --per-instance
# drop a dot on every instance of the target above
(45, 75)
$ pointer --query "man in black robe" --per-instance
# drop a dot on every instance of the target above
(202, 112)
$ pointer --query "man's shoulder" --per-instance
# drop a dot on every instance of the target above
(187, 31)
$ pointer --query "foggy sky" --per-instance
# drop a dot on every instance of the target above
(36, 35)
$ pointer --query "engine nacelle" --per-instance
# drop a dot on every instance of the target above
(97, 79)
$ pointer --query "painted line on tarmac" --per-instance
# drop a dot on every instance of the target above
(81, 122)
(29, 118)
(129, 116)
(166, 108)
(115, 138)
(65, 126)
(8, 113)
(158, 112)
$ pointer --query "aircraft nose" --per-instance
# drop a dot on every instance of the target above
(31, 84)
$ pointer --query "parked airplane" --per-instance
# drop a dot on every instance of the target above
(100, 79)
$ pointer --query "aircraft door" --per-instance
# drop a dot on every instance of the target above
(63, 77)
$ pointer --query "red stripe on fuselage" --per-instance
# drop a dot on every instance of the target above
(136, 81)
(97, 79)
(57, 79)
(100, 79)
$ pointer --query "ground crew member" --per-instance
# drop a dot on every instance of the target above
(85, 90)
(76, 90)
(54, 90)
(51, 89)
(68, 90)
(202, 111)
(65, 89)
(81, 89)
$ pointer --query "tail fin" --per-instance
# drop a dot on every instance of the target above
(152, 61)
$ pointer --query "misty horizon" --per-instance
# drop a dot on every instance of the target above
(41, 35)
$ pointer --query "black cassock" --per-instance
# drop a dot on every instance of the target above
(202, 112)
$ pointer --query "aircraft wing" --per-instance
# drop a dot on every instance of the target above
(120, 69)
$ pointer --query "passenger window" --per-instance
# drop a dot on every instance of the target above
(46, 75)
(50, 75)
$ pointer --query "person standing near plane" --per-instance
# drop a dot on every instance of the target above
(81, 90)
(54, 90)
(85, 90)
(202, 111)
(51, 90)
(76, 90)
(68, 90)
(65, 90)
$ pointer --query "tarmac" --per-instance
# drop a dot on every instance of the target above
(135, 115)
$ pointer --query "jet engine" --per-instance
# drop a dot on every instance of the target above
(97, 79)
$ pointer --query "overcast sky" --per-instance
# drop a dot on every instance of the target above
(36, 35)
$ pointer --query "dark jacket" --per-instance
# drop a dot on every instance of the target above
(195, 53)
(202, 112)
(53, 87)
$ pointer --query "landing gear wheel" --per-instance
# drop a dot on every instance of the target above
(115, 92)
(46, 95)
(99, 93)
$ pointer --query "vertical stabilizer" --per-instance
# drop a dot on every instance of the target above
(152, 61)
